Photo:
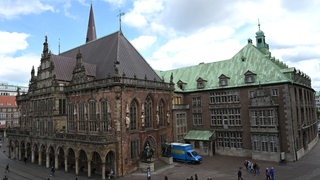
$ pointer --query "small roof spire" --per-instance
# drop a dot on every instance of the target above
(91, 32)
(258, 24)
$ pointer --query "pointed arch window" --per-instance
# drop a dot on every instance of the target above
(70, 117)
(161, 113)
(81, 118)
(133, 115)
(148, 112)
(104, 115)
(93, 124)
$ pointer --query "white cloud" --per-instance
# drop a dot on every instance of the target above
(15, 68)
(135, 20)
(143, 42)
(12, 42)
(117, 3)
(143, 13)
(12, 8)
(198, 47)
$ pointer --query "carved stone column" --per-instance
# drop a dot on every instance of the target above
(89, 168)
(77, 166)
(47, 160)
(40, 158)
(103, 170)
(19, 152)
(66, 163)
(32, 155)
(56, 161)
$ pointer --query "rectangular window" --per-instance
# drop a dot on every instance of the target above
(229, 139)
(274, 92)
(266, 143)
(196, 102)
(224, 97)
(62, 106)
(197, 118)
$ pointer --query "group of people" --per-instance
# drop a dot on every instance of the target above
(252, 167)
(270, 173)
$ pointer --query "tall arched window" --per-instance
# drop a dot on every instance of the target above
(70, 117)
(148, 112)
(93, 124)
(133, 115)
(81, 116)
(161, 112)
(104, 115)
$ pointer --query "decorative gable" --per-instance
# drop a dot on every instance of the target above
(201, 83)
(223, 80)
(249, 77)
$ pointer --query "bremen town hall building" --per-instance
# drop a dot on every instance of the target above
(94, 108)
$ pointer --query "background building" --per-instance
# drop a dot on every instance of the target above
(9, 114)
(251, 105)
(11, 90)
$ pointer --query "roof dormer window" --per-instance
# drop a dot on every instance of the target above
(181, 84)
(249, 77)
(201, 83)
(223, 80)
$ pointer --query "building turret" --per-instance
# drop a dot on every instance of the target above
(260, 41)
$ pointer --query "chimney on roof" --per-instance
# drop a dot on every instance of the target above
(91, 32)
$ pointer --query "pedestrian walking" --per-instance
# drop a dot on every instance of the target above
(195, 176)
(7, 168)
(52, 171)
(5, 178)
(240, 174)
(271, 172)
(267, 174)
(165, 177)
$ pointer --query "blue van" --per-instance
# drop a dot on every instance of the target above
(184, 152)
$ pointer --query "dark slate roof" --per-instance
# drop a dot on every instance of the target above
(105, 51)
(63, 67)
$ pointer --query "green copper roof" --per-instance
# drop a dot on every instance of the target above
(198, 135)
(267, 70)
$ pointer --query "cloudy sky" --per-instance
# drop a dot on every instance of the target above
(168, 33)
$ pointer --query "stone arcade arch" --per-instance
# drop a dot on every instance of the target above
(42, 155)
(22, 150)
(83, 162)
(59, 161)
(50, 158)
(110, 163)
(28, 151)
(35, 154)
(96, 163)
(70, 161)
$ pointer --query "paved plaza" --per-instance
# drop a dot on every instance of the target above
(217, 167)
